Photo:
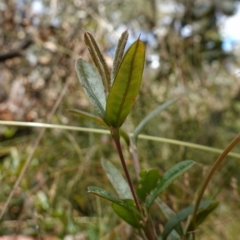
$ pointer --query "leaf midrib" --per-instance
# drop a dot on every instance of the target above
(99, 105)
(126, 91)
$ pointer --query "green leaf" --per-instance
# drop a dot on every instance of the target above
(89, 116)
(181, 216)
(148, 181)
(169, 213)
(126, 85)
(99, 60)
(149, 117)
(104, 194)
(92, 85)
(165, 209)
(167, 178)
(119, 55)
(202, 215)
(125, 136)
(127, 215)
(117, 180)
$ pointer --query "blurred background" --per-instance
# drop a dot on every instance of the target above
(193, 52)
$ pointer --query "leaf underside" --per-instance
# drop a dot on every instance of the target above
(92, 85)
(117, 180)
(168, 214)
(99, 60)
(118, 55)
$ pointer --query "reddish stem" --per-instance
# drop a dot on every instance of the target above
(116, 138)
(210, 175)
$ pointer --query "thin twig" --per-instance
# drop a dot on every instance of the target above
(117, 143)
(210, 175)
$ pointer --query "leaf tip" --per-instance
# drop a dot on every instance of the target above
(89, 190)
(77, 61)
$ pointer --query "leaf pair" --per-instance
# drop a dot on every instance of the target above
(124, 208)
(205, 208)
(151, 186)
(113, 95)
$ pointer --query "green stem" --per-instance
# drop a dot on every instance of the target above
(116, 138)
(133, 152)
(210, 175)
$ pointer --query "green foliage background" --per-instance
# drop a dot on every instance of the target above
(51, 199)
